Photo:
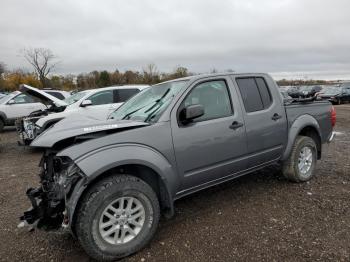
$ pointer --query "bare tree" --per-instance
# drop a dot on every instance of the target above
(42, 60)
(150, 74)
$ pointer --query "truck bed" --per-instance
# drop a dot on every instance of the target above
(320, 110)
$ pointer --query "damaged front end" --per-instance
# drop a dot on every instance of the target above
(57, 178)
(26, 126)
(26, 129)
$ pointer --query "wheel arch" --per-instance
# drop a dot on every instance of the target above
(139, 161)
(143, 172)
(305, 125)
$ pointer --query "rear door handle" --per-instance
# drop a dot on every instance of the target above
(275, 117)
(236, 125)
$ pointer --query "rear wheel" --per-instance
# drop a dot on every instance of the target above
(118, 217)
(302, 161)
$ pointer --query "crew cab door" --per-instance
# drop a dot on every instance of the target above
(212, 146)
(265, 119)
(23, 105)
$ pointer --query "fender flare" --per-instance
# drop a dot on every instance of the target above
(297, 126)
(96, 163)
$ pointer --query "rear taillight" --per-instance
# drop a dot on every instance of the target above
(333, 116)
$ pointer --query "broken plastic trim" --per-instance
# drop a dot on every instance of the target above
(58, 176)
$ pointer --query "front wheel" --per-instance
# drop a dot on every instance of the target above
(301, 163)
(117, 217)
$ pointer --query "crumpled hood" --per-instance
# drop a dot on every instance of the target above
(41, 96)
(79, 125)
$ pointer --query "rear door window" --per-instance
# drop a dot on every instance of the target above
(250, 94)
(255, 93)
(264, 92)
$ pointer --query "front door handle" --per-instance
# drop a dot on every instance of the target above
(236, 125)
(275, 117)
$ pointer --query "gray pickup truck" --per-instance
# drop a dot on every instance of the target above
(109, 181)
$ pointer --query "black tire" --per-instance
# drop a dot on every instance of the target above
(290, 167)
(94, 203)
(2, 124)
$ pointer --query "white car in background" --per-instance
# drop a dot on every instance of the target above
(97, 103)
(15, 105)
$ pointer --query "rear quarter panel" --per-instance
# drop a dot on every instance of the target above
(301, 115)
(320, 111)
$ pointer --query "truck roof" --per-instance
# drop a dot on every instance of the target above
(199, 76)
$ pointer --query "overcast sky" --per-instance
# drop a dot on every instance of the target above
(292, 38)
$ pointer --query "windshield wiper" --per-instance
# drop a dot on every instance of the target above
(158, 100)
(152, 114)
(127, 116)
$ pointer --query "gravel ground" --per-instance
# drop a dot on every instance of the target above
(259, 217)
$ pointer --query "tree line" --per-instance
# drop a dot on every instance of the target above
(43, 63)
(10, 80)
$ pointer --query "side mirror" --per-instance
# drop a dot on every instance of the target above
(11, 102)
(85, 103)
(191, 112)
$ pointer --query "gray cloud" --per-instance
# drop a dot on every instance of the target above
(284, 37)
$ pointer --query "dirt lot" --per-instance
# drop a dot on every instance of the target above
(257, 217)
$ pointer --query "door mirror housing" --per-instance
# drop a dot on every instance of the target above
(85, 103)
(11, 102)
(191, 112)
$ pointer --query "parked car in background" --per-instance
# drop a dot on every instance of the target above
(2, 95)
(293, 92)
(110, 180)
(306, 91)
(17, 105)
(336, 94)
(97, 103)
(285, 95)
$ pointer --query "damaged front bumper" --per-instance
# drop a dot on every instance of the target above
(49, 209)
(27, 130)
